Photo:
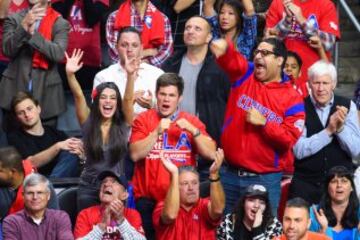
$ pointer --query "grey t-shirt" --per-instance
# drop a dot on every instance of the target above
(189, 72)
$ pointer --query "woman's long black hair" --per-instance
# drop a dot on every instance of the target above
(118, 130)
(239, 213)
(238, 10)
(350, 218)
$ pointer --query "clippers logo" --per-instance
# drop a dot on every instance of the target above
(148, 21)
(245, 102)
(180, 152)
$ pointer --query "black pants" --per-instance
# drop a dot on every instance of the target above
(146, 206)
(311, 191)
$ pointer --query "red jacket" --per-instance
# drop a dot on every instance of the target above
(255, 148)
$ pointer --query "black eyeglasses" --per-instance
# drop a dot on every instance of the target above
(263, 52)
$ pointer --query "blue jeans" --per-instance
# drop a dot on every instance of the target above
(234, 187)
(67, 165)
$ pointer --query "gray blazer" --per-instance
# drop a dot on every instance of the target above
(19, 46)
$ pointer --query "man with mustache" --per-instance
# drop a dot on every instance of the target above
(264, 118)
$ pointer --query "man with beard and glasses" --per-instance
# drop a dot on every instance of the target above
(48, 149)
(13, 170)
(264, 118)
(296, 222)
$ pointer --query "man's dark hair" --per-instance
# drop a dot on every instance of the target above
(278, 48)
(298, 203)
(296, 56)
(170, 79)
(21, 96)
(11, 158)
(128, 30)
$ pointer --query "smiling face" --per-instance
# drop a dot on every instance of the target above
(267, 64)
(251, 206)
(228, 18)
(296, 222)
(107, 103)
(339, 189)
(189, 188)
(168, 99)
(322, 88)
(36, 197)
(111, 190)
(27, 113)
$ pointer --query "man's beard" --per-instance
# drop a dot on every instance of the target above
(5, 184)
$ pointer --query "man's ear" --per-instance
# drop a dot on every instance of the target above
(280, 61)
(180, 98)
(209, 37)
(38, 108)
(309, 223)
(124, 196)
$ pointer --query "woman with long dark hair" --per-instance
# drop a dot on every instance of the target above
(236, 20)
(105, 126)
(337, 214)
(251, 218)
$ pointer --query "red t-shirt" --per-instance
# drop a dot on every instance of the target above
(310, 236)
(13, 8)
(322, 12)
(83, 37)
(151, 179)
(91, 216)
(195, 224)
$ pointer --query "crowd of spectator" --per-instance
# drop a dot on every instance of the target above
(193, 124)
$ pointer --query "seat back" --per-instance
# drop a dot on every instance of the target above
(68, 203)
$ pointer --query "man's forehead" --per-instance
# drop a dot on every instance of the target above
(38, 186)
(197, 21)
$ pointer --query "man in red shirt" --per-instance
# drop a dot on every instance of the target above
(178, 134)
(299, 23)
(111, 219)
(263, 120)
(183, 214)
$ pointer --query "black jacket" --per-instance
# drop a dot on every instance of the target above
(212, 90)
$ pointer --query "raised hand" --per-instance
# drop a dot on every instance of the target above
(36, 13)
(117, 210)
(73, 63)
(218, 160)
(321, 218)
(168, 164)
(186, 125)
(145, 100)
(163, 125)
(218, 47)
(131, 66)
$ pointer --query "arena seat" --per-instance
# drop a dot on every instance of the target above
(68, 203)
(285, 184)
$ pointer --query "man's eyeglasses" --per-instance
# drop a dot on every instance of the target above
(263, 52)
